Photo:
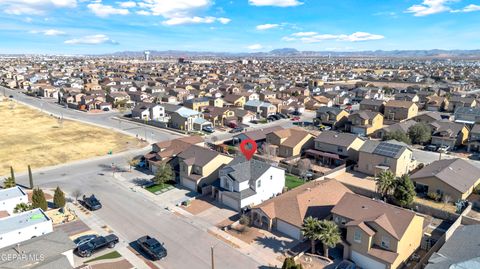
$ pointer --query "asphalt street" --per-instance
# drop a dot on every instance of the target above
(131, 215)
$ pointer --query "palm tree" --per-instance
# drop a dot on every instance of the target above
(329, 235)
(310, 230)
(9, 183)
(385, 182)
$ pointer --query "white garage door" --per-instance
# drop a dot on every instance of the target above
(288, 229)
(189, 184)
(230, 202)
(366, 262)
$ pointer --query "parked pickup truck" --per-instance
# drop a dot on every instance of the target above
(101, 242)
(91, 203)
(152, 247)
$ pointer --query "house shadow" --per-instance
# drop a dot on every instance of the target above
(273, 243)
(141, 182)
(134, 245)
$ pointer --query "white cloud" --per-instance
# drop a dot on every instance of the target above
(267, 26)
(49, 32)
(195, 20)
(309, 37)
(304, 34)
(34, 7)
(429, 7)
(255, 47)
(469, 8)
(105, 10)
(91, 40)
(276, 3)
(128, 4)
(143, 13)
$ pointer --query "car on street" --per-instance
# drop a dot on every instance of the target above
(271, 118)
(208, 129)
(281, 115)
(430, 148)
(84, 239)
(296, 113)
(443, 149)
(346, 264)
(475, 156)
(91, 203)
(236, 130)
(99, 243)
(296, 118)
(151, 246)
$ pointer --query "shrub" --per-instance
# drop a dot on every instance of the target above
(434, 196)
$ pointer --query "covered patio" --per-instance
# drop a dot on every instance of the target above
(324, 158)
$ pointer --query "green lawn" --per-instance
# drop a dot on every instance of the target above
(156, 187)
(108, 256)
(292, 181)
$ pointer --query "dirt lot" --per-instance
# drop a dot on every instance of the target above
(29, 137)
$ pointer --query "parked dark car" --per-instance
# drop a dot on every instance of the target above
(475, 156)
(101, 242)
(208, 129)
(275, 117)
(91, 203)
(296, 113)
(271, 118)
(430, 148)
(10, 96)
(236, 130)
(254, 121)
(84, 239)
(281, 115)
(152, 247)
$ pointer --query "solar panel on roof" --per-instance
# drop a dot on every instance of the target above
(387, 149)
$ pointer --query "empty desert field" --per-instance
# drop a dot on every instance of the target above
(30, 137)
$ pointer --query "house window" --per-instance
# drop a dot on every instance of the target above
(339, 149)
(357, 236)
(271, 177)
(259, 184)
(385, 242)
(227, 184)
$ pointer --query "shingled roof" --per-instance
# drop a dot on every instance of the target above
(458, 173)
(315, 199)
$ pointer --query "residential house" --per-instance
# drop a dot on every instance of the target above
(267, 95)
(167, 151)
(373, 105)
(20, 227)
(9, 198)
(290, 142)
(199, 167)
(197, 104)
(429, 117)
(396, 127)
(365, 122)
(149, 111)
(474, 139)
(460, 251)
(258, 135)
(333, 117)
(118, 99)
(219, 116)
(245, 183)
(436, 103)
(332, 147)
(261, 108)
(400, 110)
(378, 156)
(407, 97)
(53, 250)
(456, 102)
(467, 115)
(187, 119)
(378, 235)
(447, 133)
(244, 116)
(234, 100)
(286, 212)
(455, 178)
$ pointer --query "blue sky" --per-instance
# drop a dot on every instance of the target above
(101, 26)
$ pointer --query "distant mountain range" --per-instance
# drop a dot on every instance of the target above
(290, 52)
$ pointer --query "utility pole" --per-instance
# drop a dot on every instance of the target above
(213, 259)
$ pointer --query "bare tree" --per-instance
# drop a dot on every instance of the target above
(304, 166)
(76, 194)
(446, 199)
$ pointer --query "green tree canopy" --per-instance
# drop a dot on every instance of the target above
(311, 230)
(9, 182)
(404, 191)
(163, 175)
(22, 207)
(420, 133)
(59, 198)
(385, 182)
(38, 199)
(399, 136)
(329, 235)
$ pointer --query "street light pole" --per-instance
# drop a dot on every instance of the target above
(213, 259)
